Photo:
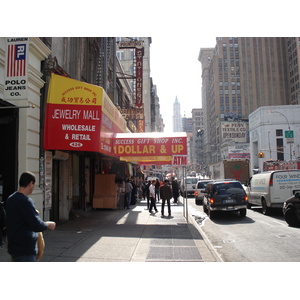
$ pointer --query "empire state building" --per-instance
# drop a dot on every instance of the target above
(177, 122)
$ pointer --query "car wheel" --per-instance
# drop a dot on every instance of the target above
(198, 201)
(290, 217)
(211, 213)
(243, 212)
(265, 209)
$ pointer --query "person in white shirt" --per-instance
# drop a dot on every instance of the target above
(152, 196)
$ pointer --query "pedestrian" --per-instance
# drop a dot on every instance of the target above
(175, 190)
(166, 194)
(147, 191)
(157, 186)
(128, 191)
(23, 222)
(133, 192)
(152, 196)
(144, 190)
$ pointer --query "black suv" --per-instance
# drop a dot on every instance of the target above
(291, 210)
(224, 196)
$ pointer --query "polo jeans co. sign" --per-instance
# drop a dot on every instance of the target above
(16, 70)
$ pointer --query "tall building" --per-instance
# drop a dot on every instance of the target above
(293, 60)
(238, 76)
(196, 140)
(187, 125)
(177, 122)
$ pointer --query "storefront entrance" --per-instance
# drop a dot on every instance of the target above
(9, 150)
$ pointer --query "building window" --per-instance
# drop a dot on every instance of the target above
(279, 132)
(279, 144)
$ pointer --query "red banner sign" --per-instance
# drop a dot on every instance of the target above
(150, 144)
(80, 116)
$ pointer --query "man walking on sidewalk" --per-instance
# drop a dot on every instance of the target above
(23, 222)
(166, 194)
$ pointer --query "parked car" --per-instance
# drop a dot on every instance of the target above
(201, 184)
(291, 210)
(224, 196)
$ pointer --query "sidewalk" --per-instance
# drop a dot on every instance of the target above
(132, 235)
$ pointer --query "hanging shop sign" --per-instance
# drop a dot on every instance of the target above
(130, 44)
(141, 125)
(139, 53)
(16, 69)
(179, 160)
(150, 147)
(132, 113)
(80, 116)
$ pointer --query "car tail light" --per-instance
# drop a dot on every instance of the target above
(196, 193)
(246, 198)
(211, 200)
(271, 180)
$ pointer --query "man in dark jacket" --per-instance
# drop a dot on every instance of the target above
(165, 194)
(175, 190)
(23, 222)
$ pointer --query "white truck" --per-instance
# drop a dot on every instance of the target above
(270, 189)
(188, 185)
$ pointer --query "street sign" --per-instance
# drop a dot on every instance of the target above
(289, 135)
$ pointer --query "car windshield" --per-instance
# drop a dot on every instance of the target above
(203, 184)
(191, 181)
(229, 188)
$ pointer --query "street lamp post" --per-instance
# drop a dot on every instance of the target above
(274, 111)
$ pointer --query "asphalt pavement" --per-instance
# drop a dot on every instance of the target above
(132, 235)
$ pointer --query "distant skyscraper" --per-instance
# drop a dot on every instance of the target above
(241, 74)
(177, 123)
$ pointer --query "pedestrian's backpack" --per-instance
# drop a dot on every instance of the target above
(2, 224)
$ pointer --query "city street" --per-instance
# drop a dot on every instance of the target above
(255, 238)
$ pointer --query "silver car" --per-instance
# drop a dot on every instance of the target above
(201, 185)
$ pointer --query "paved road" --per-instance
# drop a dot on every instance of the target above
(255, 238)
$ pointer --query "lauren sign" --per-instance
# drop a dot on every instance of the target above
(80, 116)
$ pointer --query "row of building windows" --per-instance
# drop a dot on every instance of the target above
(235, 109)
(226, 92)
(233, 83)
(233, 100)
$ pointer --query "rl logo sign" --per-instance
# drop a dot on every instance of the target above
(20, 52)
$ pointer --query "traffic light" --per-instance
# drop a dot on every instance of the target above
(260, 155)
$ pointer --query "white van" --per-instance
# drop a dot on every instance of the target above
(271, 189)
(190, 184)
